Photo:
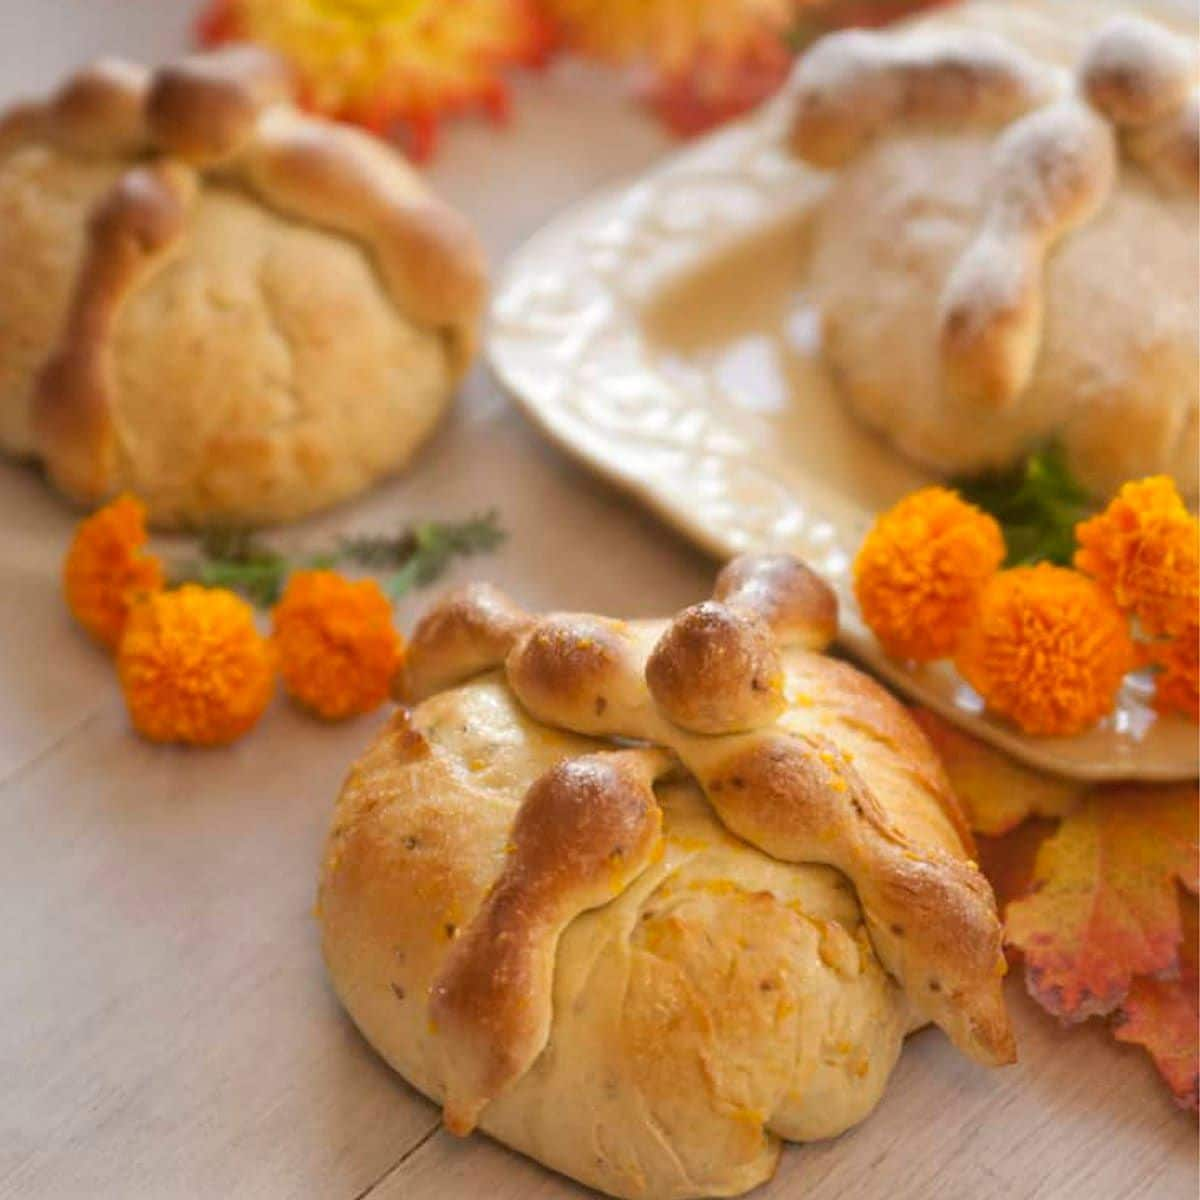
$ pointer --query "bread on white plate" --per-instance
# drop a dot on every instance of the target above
(1008, 251)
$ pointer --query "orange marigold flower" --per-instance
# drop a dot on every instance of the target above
(106, 569)
(193, 666)
(1144, 549)
(1048, 649)
(386, 63)
(920, 570)
(1177, 685)
(338, 648)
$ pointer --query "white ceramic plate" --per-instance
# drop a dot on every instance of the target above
(662, 335)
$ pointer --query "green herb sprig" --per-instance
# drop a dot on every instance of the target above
(416, 556)
(1037, 503)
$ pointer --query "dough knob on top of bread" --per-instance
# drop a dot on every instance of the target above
(297, 339)
(640, 952)
(1006, 254)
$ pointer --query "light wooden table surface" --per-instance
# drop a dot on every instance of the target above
(165, 1026)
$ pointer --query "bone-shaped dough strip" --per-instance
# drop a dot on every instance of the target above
(585, 830)
(1137, 72)
(97, 112)
(205, 108)
(851, 87)
(1169, 149)
(717, 670)
(345, 180)
(1053, 171)
(470, 630)
(932, 918)
(132, 233)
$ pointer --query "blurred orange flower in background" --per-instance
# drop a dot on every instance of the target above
(1144, 549)
(709, 59)
(390, 64)
(194, 668)
(107, 568)
(1177, 684)
(338, 648)
(402, 65)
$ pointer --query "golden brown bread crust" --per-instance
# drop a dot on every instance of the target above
(792, 793)
(99, 111)
(717, 668)
(835, 831)
(877, 720)
(720, 1002)
(132, 232)
(469, 631)
(602, 959)
(204, 108)
(230, 115)
(1169, 149)
(585, 830)
(799, 607)
(934, 916)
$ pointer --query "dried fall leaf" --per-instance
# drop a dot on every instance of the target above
(997, 792)
(1008, 862)
(1103, 909)
(1163, 1016)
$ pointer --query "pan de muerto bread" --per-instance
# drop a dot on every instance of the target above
(641, 899)
(1007, 253)
(237, 311)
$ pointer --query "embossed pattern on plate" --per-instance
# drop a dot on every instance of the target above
(592, 331)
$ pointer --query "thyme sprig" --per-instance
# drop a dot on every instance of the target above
(416, 556)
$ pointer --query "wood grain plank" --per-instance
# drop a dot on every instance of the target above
(167, 1026)
(1078, 1117)
(43, 693)
(167, 1031)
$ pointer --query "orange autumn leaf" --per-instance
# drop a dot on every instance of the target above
(1103, 909)
(1163, 1016)
(996, 791)
(1008, 862)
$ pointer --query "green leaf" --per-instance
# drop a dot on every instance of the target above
(1037, 504)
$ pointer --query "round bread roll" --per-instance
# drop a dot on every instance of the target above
(238, 312)
(644, 963)
(1007, 252)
